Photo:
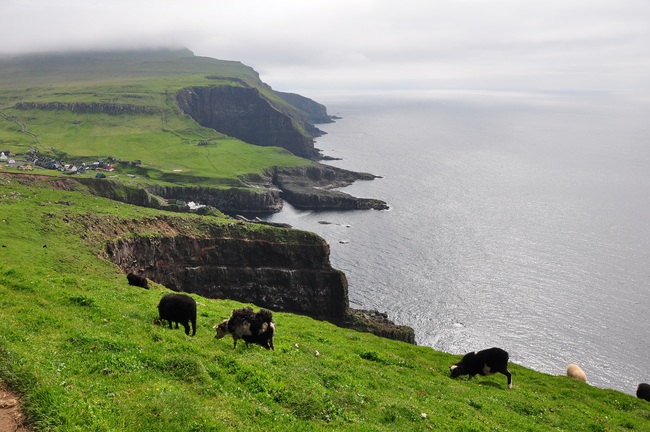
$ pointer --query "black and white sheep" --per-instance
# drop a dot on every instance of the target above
(574, 371)
(643, 391)
(178, 308)
(254, 328)
(484, 362)
(137, 280)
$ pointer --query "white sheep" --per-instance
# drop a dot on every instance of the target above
(574, 371)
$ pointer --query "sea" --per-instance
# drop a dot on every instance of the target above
(517, 220)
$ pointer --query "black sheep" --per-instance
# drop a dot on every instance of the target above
(254, 328)
(484, 362)
(643, 391)
(178, 308)
(137, 280)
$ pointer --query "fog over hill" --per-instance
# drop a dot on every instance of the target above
(557, 45)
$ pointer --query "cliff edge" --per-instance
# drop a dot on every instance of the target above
(244, 113)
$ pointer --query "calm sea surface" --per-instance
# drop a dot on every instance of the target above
(519, 221)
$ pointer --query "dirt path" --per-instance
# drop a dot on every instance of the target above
(23, 126)
(12, 418)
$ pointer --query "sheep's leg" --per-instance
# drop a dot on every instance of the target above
(509, 375)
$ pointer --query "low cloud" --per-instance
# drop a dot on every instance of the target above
(502, 44)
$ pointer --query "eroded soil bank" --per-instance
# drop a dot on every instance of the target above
(12, 418)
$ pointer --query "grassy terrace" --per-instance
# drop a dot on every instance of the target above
(82, 349)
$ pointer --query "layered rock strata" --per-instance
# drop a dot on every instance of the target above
(280, 269)
(292, 277)
(243, 113)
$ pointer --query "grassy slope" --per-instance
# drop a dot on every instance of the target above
(81, 346)
(166, 142)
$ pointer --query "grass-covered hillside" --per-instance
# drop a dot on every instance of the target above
(170, 147)
(82, 349)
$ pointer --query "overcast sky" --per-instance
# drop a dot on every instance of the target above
(558, 45)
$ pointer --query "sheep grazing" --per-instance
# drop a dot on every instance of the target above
(643, 391)
(137, 280)
(254, 328)
(178, 308)
(574, 371)
(484, 362)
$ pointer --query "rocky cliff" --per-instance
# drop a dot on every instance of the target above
(313, 187)
(293, 275)
(243, 113)
(89, 108)
(280, 269)
(313, 111)
(230, 200)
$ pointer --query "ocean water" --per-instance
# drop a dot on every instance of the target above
(516, 220)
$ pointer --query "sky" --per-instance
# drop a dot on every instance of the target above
(511, 45)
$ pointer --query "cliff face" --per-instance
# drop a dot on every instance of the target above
(314, 112)
(89, 108)
(292, 275)
(232, 201)
(283, 276)
(243, 113)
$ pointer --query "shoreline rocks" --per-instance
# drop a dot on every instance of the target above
(313, 188)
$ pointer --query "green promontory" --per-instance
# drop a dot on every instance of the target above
(158, 118)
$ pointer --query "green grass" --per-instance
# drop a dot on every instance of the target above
(163, 151)
(83, 350)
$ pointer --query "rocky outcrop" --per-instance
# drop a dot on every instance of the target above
(89, 107)
(243, 113)
(378, 323)
(307, 187)
(230, 201)
(280, 269)
(293, 275)
(312, 187)
(117, 191)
